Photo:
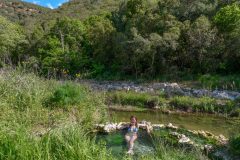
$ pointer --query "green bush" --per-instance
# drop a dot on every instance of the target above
(67, 94)
(133, 99)
(203, 104)
(235, 145)
(235, 113)
(223, 82)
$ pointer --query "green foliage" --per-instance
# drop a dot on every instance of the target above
(134, 99)
(134, 38)
(22, 91)
(11, 37)
(228, 20)
(220, 82)
(62, 51)
(228, 17)
(235, 145)
(66, 143)
(204, 104)
(67, 95)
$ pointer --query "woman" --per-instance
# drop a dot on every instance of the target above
(131, 135)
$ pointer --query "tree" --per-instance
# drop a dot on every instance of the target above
(99, 31)
(228, 22)
(227, 19)
(11, 36)
(62, 50)
(202, 40)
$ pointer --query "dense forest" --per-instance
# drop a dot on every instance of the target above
(135, 38)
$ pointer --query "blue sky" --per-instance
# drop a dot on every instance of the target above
(47, 3)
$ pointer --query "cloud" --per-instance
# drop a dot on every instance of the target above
(49, 5)
(36, 2)
(59, 4)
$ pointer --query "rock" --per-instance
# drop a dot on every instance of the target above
(110, 127)
(193, 132)
(158, 126)
(169, 89)
(202, 133)
(184, 139)
(100, 127)
(208, 148)
(209, 134)
(171, 126)
(122, 125)
(174, 134)
(222, 139)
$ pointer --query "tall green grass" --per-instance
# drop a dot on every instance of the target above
(183, 103)
(25, 101)
(231, 82)
(203, 104)
(47, 119)
(65, 143)
(135, 99)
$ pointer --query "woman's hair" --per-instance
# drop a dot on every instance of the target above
(136, 123)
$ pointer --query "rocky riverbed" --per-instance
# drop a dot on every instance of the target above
(170, 89)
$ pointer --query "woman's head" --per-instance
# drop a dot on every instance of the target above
(133, 121)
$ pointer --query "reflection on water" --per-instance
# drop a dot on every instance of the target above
(216, 125)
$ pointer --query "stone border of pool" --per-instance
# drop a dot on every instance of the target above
(112, 127)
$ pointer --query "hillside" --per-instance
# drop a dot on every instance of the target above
(21, 12)
(82, 8)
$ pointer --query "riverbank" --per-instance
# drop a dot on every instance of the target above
(135, 101)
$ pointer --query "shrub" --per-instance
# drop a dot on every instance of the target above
(235, 145)
(203, 104)
(223, 82)
(133, 98)
(67, 94)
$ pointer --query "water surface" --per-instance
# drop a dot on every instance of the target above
(215, 124)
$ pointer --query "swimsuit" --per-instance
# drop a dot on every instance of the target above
(131, 131)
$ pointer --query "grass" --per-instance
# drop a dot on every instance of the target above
(235, 145)
(35, 111)
(178, 103)
(143, 100)
(230, 82)
(65, 143)
(203, 104)
(166, 152)
(47, 119)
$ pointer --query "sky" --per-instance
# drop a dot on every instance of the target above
(47, 3)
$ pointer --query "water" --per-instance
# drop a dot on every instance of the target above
(215, 124)
(117, 145)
